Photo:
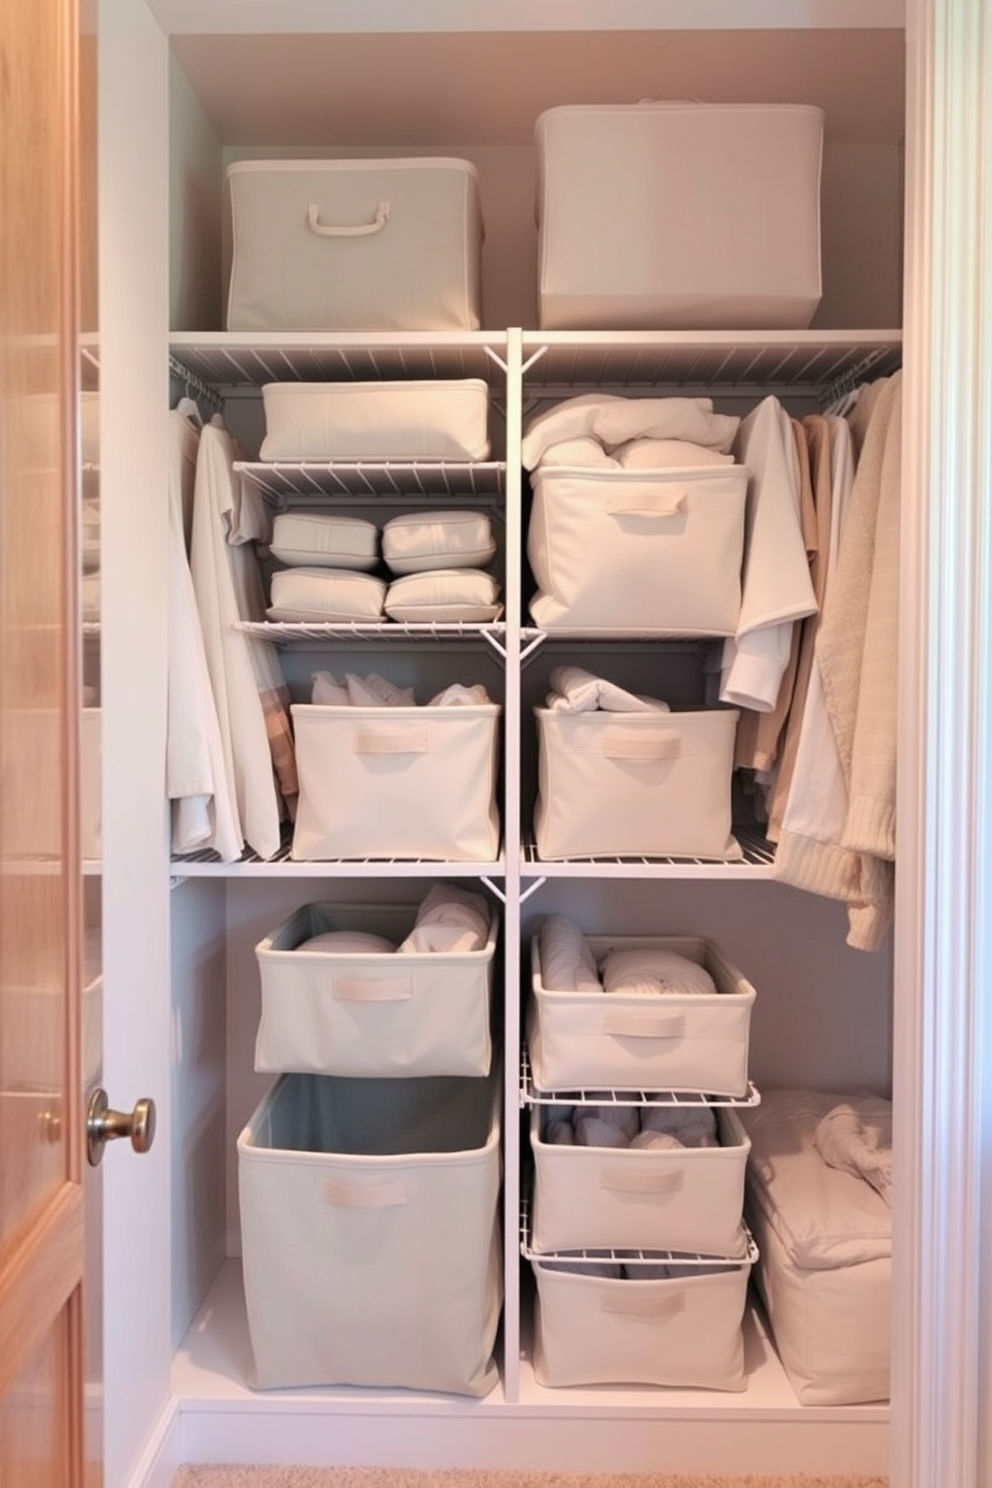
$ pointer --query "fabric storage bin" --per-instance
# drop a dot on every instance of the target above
(651, 784)
(614, 1041)
(371, 1013)
(397, 782)
(417, 541)
(590, 1198)
(416, 420)
(370, 1235)
(685, 1330)
(684, 216)
(324, 539)
(328, 245)
(657, 552)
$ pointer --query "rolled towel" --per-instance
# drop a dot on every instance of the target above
(593, 1131)
(647, 971)
(347, 943)
(567, 963)
(574, 690)
(693, 1126)
(658, 1140)
(856, 1136)
(449, 919)
(624, 1118)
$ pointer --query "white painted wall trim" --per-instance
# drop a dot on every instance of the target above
(942, 959)
(162, 1457)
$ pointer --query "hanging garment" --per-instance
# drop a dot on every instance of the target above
(776, 589)
(204, 809)
(251, 696)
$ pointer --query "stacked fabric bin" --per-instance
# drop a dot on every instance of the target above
(369, 1174)
(637, 1051)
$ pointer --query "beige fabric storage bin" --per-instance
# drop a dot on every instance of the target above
(682, 216)
(404, 782)
(590, 1198)
(682, 1331)
(328, 245)
(625, 552)
(363, 1013)
(430, 419)
(651, 784)
(370, 1234)
(615, 1041)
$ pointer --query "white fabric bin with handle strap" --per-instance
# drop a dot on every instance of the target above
(370, 1233)
(695, 1042)
(427, 419)
(681, 1329)
(397, 782)
(338, 245)
(639, 1198)
(642, 784)
(679, 216)
(371, 1013)
(635, 552)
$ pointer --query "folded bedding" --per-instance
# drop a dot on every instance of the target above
(452, 594)
(449, 919)
(856, 1137)
(417, 541)
(308, 594)
(613, 421)
(574, 690)
(651, 971)
(373, 691)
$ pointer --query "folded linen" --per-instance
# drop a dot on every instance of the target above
(567, 963)
(694, 1126)
(658, 1141)
(650, 971)
(662, 454)
(449, 919)
(460, 696)
(623, 1119)
(373, 691)
(348, 943)
(574, 690)
(856, 1137)
(593, 1131)
(614, 420)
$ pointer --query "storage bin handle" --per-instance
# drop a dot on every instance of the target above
(653, 1309)
(390, 741)
(356, 1196)
(650, 1185)
(359, 230)
(633, 1023)
(624, 744)
(666, 502)
(384, 989)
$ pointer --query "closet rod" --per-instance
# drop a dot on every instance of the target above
(194, 386)
(834, 392)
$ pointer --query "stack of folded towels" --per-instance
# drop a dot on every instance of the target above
(568, 965)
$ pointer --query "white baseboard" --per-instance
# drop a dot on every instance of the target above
(161, 1458)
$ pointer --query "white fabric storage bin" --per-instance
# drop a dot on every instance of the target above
(328, 245)
(363, 1013)
(655, 784)
(640, 1198)
(416, 420)
(683, 216)
(696, 1043)
(370, 1234)
(683, 1331)
(324, 539)
(417, 541)
(405, 782)
(618, 552)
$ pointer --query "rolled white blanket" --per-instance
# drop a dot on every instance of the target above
(613, 420)
(348, 943)
(574, 690)
(567, 964)
(449, 919)
(651, 971)
(660, 1141)
(856, 1136)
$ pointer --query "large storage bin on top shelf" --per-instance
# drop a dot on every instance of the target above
(637, 552)
(371, 1243)
(367, 1012)
(696, 1042)
(336, 245)
(684, 216)
(645, 784)
(397, 782)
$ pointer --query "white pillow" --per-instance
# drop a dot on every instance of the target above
(437, 539)
(325, 594)
(444, 594)
(324, 539)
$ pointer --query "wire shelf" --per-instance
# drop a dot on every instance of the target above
(758, 853)
(286, 632)
(252, 358)
(530, 1095)
(438, 480)
(690, 1259)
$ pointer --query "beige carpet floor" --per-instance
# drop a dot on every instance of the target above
(398, 1477)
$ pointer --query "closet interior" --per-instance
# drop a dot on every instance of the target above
(822, 1013)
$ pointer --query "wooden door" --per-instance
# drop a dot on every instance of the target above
(41, 1207)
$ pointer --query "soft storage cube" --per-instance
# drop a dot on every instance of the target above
(324, 539)
(370, 1233)
(644, 784)
(416, 420)
(368, 1013)
(630, 1041)
(417, 541)
(397, 782)
(681, 216)
(639, 1198)
(684, 1329)
(328, 245)
(618, 552)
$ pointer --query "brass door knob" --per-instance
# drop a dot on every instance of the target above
(103, 1125)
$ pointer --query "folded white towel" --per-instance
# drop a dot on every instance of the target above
(460, 696)
(327, 691)
(693, 1126)
(614, 420)
(657, 1140)
(567, 964)
(856, 1137)
(374, 691)
(574, 690)
(649, 971)
(449, 920)
(348, 942)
